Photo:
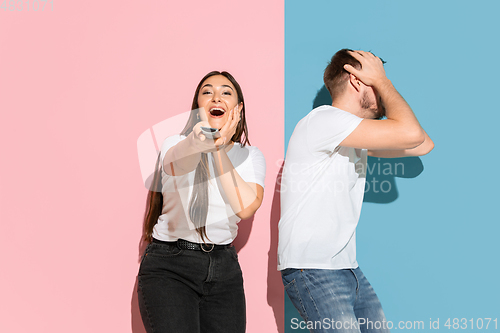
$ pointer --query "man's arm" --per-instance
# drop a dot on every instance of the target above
(423, 149)
(401, 130)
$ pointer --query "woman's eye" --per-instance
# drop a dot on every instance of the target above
(227, 93)
(205, 93)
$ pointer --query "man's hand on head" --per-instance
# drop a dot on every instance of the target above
(372, 72)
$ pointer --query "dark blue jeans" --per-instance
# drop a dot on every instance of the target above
(191, 291)
(341, 301)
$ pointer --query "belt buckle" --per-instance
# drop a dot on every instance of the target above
(201, 246)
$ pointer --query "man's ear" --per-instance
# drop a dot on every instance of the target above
(354, 82)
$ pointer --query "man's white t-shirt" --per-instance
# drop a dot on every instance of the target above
(322, 190)
(221, 224)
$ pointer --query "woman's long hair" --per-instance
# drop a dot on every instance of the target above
(198, 204)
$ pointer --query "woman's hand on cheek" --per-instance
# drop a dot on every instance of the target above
(227, 131)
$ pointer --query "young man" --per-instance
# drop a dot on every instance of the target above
(322, 192)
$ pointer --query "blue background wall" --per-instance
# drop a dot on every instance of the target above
(430, 246)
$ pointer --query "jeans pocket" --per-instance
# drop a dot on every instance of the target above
(145, 253)
(290, 284)
(160, 250)
(234, 254)
(158, 256)
(292, 291)
(288, 271)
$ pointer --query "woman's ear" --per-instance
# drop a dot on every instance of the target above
(240, 106)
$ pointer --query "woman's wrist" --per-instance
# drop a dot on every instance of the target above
(224, 147)
(198, 146)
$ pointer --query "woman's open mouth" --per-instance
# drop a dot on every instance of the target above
(217, 112)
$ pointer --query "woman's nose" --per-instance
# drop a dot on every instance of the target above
(216, 97)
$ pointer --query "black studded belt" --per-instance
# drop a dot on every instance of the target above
(187, 245)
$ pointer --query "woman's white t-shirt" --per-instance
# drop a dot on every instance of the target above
(221, 224)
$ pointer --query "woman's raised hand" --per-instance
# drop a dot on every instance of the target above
(227, 131)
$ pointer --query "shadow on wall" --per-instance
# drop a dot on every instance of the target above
(275, 290)
(136, 320)
(380, 172)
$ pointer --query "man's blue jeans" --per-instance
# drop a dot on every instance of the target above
(334, 301)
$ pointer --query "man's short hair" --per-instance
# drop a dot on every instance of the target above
(336, 77)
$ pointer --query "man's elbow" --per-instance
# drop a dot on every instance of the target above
(424, 148)
(428, 147)
(415, 138)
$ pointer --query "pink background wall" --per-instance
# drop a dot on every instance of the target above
(78, 86)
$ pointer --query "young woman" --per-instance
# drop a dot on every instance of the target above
(190, 279)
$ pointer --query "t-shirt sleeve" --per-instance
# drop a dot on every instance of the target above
(328, 127)
(167, 144)
(254, 169)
